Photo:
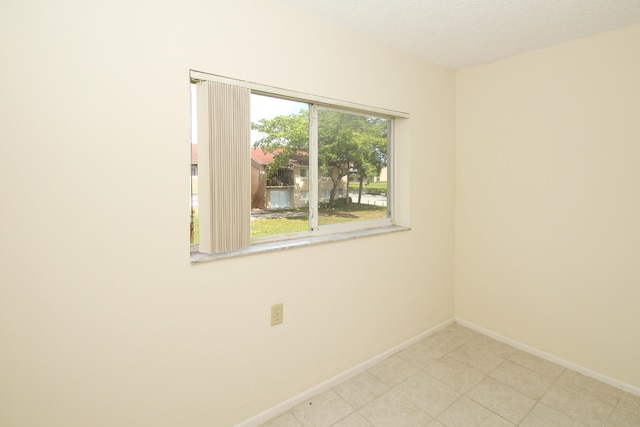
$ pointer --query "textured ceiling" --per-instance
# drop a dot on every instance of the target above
(463, 33)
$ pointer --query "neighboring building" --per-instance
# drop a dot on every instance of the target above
(259, 163)
(288, 189)
(383, 175)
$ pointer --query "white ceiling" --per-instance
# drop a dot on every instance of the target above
(463, 33)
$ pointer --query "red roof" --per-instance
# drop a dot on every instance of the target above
(261, 157)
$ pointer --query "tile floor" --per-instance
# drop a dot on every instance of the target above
(458, 377)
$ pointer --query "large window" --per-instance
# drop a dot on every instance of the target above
(276, 166)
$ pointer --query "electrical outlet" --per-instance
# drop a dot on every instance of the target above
(276, 314)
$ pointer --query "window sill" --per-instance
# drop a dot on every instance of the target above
(197, 257)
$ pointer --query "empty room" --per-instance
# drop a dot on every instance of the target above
(320, 213)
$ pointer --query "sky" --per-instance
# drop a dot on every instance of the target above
(266, 107)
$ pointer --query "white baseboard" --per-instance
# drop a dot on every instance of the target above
(270, 413)
(551, 358)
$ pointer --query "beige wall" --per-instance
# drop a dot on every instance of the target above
(103, 320)
(548, 201)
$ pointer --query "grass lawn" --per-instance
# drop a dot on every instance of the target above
(196, 230)
(372, 188)
(269, 226)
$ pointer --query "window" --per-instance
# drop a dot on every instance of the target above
(278, 166)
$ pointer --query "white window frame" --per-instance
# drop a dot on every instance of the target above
(315, 234)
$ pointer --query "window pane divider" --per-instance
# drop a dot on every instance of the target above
(313, 167)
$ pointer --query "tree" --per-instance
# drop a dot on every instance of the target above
(287, 137)
(347, 143)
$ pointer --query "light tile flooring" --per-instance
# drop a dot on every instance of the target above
(458, 377)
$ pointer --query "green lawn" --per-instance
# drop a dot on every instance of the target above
(269, 226)
(196, 230)
(354, 185)
(355, 212)
(372, 188)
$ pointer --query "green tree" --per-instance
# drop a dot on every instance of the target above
(287, 137)
(347, 143)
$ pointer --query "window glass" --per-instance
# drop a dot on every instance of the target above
(352, 156)
(314, 168)
(194, 232)
(279, 166)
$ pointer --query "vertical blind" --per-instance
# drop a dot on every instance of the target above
(224, 163)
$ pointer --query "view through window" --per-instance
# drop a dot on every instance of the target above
(311, 168)
(279, 166)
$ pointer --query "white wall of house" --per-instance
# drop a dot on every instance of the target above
(548, 201)
(383, 177)
(103, 320)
